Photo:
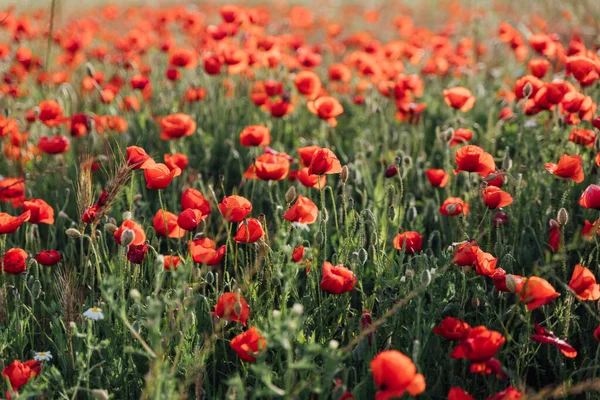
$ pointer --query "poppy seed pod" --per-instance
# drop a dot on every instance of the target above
(563, 217)
(110, 228)
(127, 237)
(527, 89)
(73, 233)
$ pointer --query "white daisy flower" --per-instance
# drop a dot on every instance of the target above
(42, 356)
(94, 313)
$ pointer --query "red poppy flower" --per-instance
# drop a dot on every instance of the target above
(158, 176)
(174, 161)
(485, 264)
(452, 329)
(454, 206)
(583, 137)
(590, 198)
(554, 241)
(250, 234)
(395, 374)
(177, 125)
(53, 145)
(535, 292)
(174, 230)
(583, 68)
(313, 181)
(48, 257)
(51, 113)
(9, 224)
(597, 333)
(583, 283)
(494, 197)
(538, 67)
(12, 190)
(298, 254)
(457, 393)
(137, 254)
(480, 345)
(204, 251)
(543, 336)
(590, 230)
(327, 108)
(437, 177)
(459, 98)
(232, 307)
(308, 84)
(137, 158)
(184, 58)
(235, 208)
(248, 344)
(304, 211)
(410, 241)
(139, 234)
(466, 254)
(306, 154)
(255, 135)
(473, 158)
(15, 261)
(570, 167)
(41, 212)
(272, 167)
(535, 83)
(170, 263)
(324, 162)
(509, 393)
(461, 136)
(192, 198)
(189, 219)
(18, 374)
(338, 279)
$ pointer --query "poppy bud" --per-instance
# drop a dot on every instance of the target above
(127, 237)
(290, 195)
(426, 277)
(73, 233)
(110, 228)
(100, 394)
(137, 197)
(511, 283)
(527, 89)
(563, 217)
(554, 224)
(62, 214)
(126, 215)
(409, 273)
(448, 134)
(298, 309)
(507, 162)
(391, 170)
(134, 294)
(89, 69)
(451, 208)
(475, 302)
(344, 174)
(407, 160)
(490, 177)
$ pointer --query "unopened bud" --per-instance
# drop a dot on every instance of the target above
(511, 283)
(448, 134)
(527, 89)
(409, 273)
(137, 197)
(134, 294)
(344, 174)
(507, 163)
(407, 160)
(89, 69)
(110, 228)
(100, 394)
(73, 233)
(237, 308)
(127, 215)
(451, 208)
(475, 302)
(290, 195)
(554, 224)
(62, 214)
(490, 177)
(426, 277)
(127, 237)
(563, 217)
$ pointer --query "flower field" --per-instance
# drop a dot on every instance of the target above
(316, 201)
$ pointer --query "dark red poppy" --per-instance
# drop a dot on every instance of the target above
(15, 261)
(48, 257)
(452, 329)
(543, 336)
